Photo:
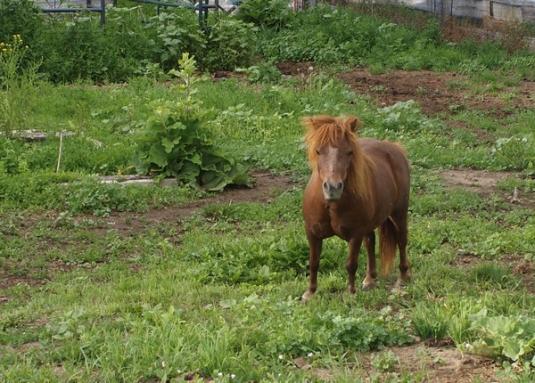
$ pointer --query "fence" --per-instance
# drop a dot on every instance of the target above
(75, 6)
(502, 10)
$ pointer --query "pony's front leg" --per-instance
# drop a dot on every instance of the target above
(314, 261)
(371, 272)
(353, 262)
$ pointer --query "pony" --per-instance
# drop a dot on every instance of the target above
(356, 186)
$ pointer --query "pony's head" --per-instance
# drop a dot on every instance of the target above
(334, 153)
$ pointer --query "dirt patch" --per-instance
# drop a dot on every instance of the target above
(440, 363)
(226, 74)
(524, 269)
(290, 68)
(445, 364)
(267, 185)
(485, 183)
(465, 258)
(434, 91)
(10, 280)
(479, 181)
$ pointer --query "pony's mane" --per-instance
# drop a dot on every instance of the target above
(328, 130)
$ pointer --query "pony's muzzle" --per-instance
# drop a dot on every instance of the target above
(332, 190)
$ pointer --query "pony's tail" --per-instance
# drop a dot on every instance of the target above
(387, 246)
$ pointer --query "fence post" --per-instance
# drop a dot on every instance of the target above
(102, 12)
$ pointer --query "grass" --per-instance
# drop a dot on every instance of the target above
(95, 288)
(218, 292)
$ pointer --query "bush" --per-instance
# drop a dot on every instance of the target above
(19, 17)
(88, 56)
(114, 52)
(230, 44)
(178, 32)
(174, 143)
(265, 13)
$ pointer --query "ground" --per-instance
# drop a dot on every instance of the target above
(210, 284)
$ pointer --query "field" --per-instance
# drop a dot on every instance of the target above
(124, 282)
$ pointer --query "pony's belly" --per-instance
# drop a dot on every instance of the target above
(344, 232)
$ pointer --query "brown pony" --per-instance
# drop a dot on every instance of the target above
(356, 186)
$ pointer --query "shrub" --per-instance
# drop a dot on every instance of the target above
(113, 52)
(230, 44)
(19, 17)
(265, 13)
(89, 56)
(174, 143)
(178, 32)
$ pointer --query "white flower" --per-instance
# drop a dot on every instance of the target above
(281, 357)
(220, 374)
(232, 376)
(310, 354)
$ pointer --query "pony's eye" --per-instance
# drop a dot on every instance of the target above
(317, 151)
(350, 153)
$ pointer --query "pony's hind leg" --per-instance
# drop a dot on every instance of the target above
(371, 271)
(402, 235)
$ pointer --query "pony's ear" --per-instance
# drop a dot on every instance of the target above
(353, 123)
(314, 122)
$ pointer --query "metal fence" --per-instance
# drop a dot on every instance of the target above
(504, 10)
(75, 6)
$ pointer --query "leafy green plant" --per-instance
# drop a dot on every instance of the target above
(405, 117)
(385, 361)
(174, 143)
(230, 44)
(503, 336)
(263, 72)
(178, 32)
(366, 333)
(265, 13)
(516, 152)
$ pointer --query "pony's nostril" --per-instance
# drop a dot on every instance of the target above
(326, 186)
(339, 185)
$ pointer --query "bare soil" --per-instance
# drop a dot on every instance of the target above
(441, 363)
(479, 181)
(485, 183)
(445, 364)
(266, 187)
(524, 269)
(434, 91)
(291, 68)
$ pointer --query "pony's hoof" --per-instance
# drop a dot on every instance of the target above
(368, 284)
(400, 283)
(351, 290)
(307, 296)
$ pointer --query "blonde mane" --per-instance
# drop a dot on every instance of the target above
(328, 130)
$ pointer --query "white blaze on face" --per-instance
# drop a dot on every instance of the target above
(332, 183)
(332, 156)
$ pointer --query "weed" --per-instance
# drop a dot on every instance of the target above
(385, 361)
